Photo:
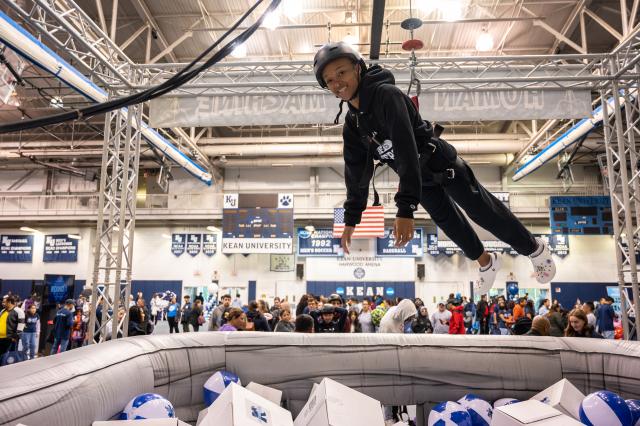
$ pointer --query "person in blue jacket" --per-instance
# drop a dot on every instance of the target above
(62, 326)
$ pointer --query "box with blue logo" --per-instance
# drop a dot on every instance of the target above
(334, 404)
(237, 406)
(563, 396)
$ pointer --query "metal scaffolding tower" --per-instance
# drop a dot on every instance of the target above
(621, 128)
(113, 248)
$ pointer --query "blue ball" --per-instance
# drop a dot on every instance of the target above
(634, 407)
(505, 401)
(449, 414)
(604, 408)
(479, 410)
(216, 384)
(148, 406)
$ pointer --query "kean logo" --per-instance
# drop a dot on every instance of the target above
(259, 414)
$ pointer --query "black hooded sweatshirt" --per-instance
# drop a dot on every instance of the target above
(404, 141)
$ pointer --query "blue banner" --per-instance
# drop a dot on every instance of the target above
(58, 288)
(209, 244)
(178, 244)
(60, 248)
(319, 242)
(16, 248)
(194, 244)
(432, 244)
(385, 246)
(388, 290)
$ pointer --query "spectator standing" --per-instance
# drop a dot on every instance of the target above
(329, 319)
(237, 302)
(543, 308)
(518, 310)
(304, 324)
(285, 324)
(217, 316)
(9, 332)
(236, 320)
(482, 315)
(137, 321)
(604, 318)
(579, 326)
(440, 320)
(364, 318)
(62, 324)
(557, 321)
(503, 317)
(197, 315)
(78, 329)
(256, 321)
(185, 317)
(172, 315)
(456, 323)
(32, 323)
(540, 326)
(589, 308)
(422, 324)
(156, 308)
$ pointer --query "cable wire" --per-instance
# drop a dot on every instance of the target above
(177, 80)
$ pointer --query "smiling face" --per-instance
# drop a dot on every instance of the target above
(342, 77)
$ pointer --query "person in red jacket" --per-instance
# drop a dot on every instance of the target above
(456, 325)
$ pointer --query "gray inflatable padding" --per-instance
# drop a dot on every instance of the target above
(96, 382)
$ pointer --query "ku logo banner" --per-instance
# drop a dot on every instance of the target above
(230, 201)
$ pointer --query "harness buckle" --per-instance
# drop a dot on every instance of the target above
(450, 173)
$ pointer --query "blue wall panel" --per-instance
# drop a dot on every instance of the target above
(568, 293)
(360, 289)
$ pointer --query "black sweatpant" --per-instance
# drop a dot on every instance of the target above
(442, 201)
(173, 325)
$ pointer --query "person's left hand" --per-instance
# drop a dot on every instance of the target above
(403, 231)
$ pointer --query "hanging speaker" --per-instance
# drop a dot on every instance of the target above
(420, 271)
(300, 271)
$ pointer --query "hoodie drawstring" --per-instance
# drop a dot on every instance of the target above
(337, 119)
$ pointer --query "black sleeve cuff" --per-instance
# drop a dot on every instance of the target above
(406, 212)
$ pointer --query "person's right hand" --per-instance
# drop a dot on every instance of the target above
(345, 241)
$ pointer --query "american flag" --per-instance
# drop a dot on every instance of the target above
(371, 225)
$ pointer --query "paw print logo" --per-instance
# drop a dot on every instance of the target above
(285, 200)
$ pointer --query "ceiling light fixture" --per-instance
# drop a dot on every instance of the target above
(484, 43)
(351, 40)
(291, 8)
(213, 229)
(452, 10)
(240, 51)
(271, 21)
(167, 236)
(27, 229)
(74, 236)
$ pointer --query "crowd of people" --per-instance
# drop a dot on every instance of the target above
(20, 319)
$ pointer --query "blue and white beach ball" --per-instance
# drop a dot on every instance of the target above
(479, 410)
(449, 414)
(634, 407)
(604, 408)
(504, 401)
(148, 406)
(217, 384)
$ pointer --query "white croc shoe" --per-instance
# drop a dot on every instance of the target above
(488, 276)
(544, 267)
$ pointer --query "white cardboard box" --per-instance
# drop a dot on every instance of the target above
(237, 406)
(530, 413)
(334, 404)
(147, 422)
(273, 395)
(562, 396)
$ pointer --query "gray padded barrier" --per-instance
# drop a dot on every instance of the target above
(95, 382)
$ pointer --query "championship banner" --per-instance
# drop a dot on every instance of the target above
(385, 246)
(194, 244)
(178, 242)
(209, 244)
(60, 248)
(16, 248)
(320, 242)
(265, 228)
(432, 244)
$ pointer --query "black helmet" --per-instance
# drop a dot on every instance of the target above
(332, 51)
